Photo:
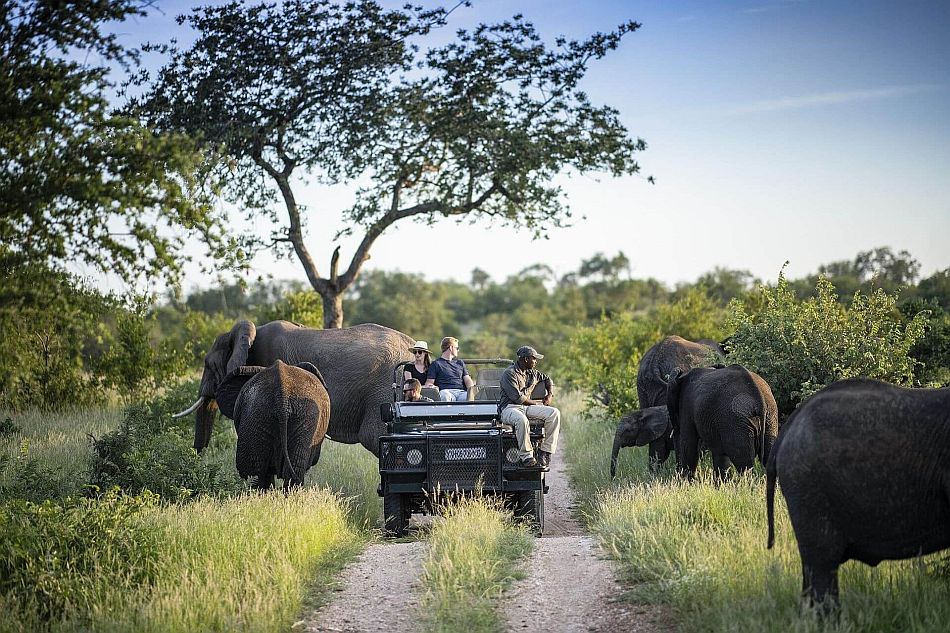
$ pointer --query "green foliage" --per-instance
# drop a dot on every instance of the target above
(79, 183)
(127, 564)
(331, 90)
(58, 559)
(151, 451)
(52, 318)
(301, 306)
(932, 351)
(602, 359)
(798, 347)
(937, 288)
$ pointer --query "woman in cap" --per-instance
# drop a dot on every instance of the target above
(420, 365)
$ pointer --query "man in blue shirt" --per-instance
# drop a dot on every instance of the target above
(448, 373)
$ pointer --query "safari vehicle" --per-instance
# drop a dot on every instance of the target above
(433, 451)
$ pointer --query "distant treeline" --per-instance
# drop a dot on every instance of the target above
(76, 346)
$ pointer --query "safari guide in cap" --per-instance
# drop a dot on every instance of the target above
(516, 407)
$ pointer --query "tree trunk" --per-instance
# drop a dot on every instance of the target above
(332, 308)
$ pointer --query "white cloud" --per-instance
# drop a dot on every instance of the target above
(837, 97)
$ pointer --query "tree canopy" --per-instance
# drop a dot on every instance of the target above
(477, 128)
(79, 183)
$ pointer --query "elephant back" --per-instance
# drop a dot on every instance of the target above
(673, 353)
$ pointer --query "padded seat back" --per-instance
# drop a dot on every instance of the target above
(430, 392)
(488, 392)
(489, 377)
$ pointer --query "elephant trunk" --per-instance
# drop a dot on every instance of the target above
(618, 442)
(204, 423)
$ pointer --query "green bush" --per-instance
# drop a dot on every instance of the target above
(602, 360)
(932, 351)
(57, 559)
(799, 347)
(152, 451)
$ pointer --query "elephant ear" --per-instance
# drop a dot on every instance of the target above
(313, 370)
(227, 393)
(673, 386)
(242, 338)
(654, 424)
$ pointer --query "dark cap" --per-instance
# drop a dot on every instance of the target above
(529, 351)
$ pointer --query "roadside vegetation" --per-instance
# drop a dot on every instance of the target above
(700, 549)
(475, 551)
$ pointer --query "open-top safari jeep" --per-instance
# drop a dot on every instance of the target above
(435, 450)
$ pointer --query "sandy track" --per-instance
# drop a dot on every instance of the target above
(569, 586)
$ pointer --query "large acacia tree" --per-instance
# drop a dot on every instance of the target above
(78, 182)
(311, 89)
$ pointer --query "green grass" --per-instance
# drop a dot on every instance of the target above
(474, 553)
(48, 456)
(352, 472)
(701, 550)
(251, 563)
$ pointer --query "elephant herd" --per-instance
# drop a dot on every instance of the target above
(864, 465)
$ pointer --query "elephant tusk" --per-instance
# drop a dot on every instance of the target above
(190, 409)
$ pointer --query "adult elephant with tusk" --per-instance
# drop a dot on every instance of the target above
(356, 364)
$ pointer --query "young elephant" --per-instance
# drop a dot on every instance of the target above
(639, 428)
(730, 409)
(281, 415)
(865, 470)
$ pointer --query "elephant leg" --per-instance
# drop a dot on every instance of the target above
(721, 465)
(820, 587)
(264, 482)
(689, 446)
(659, 452)
(369, 435)
(315, 454)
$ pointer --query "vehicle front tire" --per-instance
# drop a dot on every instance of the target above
(396, 514)
(529, 506)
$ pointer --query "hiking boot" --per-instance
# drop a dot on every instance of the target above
(544, 458)
(528, 461)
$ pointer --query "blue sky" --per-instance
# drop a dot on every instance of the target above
(778, 130)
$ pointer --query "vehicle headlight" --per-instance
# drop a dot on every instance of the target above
(414, 456)
(511, 455)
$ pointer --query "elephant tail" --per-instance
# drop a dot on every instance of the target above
(284, 413)
(771, 475)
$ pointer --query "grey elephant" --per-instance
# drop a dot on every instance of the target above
(356, 364)
(865, 470)
(639, 428)
(672, 353)
(730, 409)
(281, 414)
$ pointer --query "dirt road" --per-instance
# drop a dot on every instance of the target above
(569, 586)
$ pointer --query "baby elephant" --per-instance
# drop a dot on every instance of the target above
(730, 409)
(639, 428)
(865, 470)
(281, 416)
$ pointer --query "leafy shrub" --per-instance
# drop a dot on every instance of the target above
(932, 351)
(8, 428)
(152, 451)
(56, 559)
(32, 479)
(602, 360)
(799, 347)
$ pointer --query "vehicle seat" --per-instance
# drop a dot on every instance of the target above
(488, 392)
(489, 377)
(430, 392)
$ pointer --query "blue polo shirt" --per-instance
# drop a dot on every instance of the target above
(447, 374)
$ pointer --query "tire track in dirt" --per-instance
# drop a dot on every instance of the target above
(570, 585)
(378, 592)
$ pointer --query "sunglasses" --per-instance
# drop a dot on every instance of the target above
(419, 351)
